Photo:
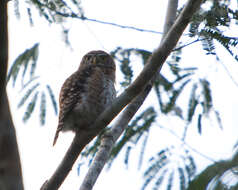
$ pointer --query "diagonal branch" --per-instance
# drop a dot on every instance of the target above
(115, 132)
(156, 61)
(109, 139)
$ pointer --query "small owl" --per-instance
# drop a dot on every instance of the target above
(87, 92)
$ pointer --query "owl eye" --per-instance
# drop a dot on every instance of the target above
(88, 57)
(103, 56)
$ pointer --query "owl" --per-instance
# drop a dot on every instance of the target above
(86, 93)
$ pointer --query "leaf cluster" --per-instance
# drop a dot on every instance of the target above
(162, 169)
(211, 25)
(31, 86)
(54, 11)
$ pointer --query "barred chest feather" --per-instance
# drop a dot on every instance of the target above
(93, 102)
(109, 92)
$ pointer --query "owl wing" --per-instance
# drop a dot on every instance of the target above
(71, 93)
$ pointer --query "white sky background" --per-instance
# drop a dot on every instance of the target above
(56, 62)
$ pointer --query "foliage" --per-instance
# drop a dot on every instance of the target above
(53, 11)
(28, 57)
(208, 26)
(27, 61)
(137, 130)
(220, 175)
(168, 164)
(168, 92)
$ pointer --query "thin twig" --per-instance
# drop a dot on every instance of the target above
(122, 26)
(189, 146)
(185, 45)
(229, 74)
(84, 18)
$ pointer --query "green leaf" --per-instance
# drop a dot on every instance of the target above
(193, 102)
(35, 53)
(182, 180)
(52, 97)
(126, 70)
(170, 180)
(190, 167)
(29, 82)
(42, 108)
(156, 164)
(126, 160)
(172, 101)
(160, 179)
(217, 114)
(182, 77)
(23, 60)
(144, 54)
(200, 124)
(135, 130)
(207, 104)
(30, 108)
(225, 41)
(27, 94)
(143, 150)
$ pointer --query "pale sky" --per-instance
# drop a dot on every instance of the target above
(56, 62)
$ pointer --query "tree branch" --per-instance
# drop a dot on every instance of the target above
(170, 15)
(10, 167)
(111, 137)
(155, 63)
(215, 170)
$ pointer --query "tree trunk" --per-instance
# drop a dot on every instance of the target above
(10, 167)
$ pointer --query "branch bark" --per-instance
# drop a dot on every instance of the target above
(156, 61)
(170, 15)
(115, 132)
(10, 167)
(217, 169)
(109, 139)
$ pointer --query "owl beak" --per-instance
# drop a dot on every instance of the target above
(95, 60)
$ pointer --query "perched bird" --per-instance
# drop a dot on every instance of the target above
(87, 92)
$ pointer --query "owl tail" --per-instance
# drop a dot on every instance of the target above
(56, 137)
(57, 133)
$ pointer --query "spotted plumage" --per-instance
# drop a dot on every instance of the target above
(87, 92)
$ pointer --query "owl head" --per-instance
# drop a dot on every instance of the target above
(98, 58)
(101, 60)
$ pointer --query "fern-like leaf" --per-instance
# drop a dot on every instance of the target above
(23, 61)
(42, 108)
(207, 104)
(143, 150)
(30, 108)
(27, 94)
(193, 102)
(200, 124)
(170, 180)
(52, 98)
(217, 114)
(126, 159)
(182, 180)
(170, 105)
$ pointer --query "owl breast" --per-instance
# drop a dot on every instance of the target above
(98, 95)
(108, 91)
